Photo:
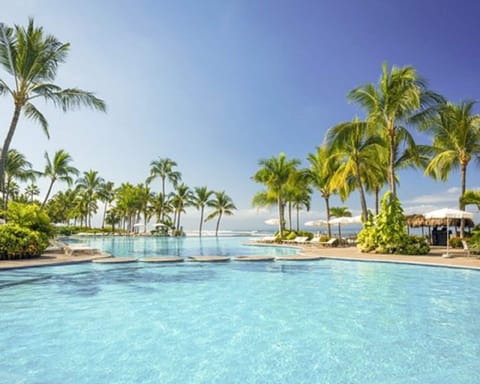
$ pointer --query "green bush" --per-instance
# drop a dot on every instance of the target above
(455, 242)
(387, 232)
(30, 216)
(20, 243)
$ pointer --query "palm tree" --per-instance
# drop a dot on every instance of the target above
(59, 169)
(340, 212)
(113, 217)
(181, 198)
(322, 169)
(200, 200)
(16, 168)
(399, 98)
(31, 191)
(144, 197)
(163, 168)
(274, 174)
(222, 205)
(90, 184)
(106, 194)
(456, 141)
(299, 193)
(357, 152)
(471, 197)
(32, 58)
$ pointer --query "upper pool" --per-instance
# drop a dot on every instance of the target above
(326, 321)
(140, 247)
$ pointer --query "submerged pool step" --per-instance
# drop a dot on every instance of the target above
(209, 259)
(115, 260)
(162, 259)
(254, 258)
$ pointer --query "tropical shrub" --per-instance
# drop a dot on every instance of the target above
(19, 243)
(387, 232)
(30, 216)
(455, 242)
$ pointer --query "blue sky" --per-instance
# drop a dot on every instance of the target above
(218, 85)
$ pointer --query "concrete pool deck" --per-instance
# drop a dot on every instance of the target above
(308, 252)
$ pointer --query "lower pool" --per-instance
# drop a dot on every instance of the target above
(323, 321)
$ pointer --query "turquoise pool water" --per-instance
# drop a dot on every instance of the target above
(323, 321)
(140, 247)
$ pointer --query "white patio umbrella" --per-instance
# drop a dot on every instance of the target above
(272, 222)
(345, 220)
(316, 223)
(448, 213)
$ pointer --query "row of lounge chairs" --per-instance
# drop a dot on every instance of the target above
(301, 240)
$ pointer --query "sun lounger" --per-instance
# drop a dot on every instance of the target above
(268, 239)
(329, 243)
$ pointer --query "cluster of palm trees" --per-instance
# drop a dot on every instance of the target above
(364, 155)
(124, 205)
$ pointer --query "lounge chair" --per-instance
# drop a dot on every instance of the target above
(329, 243)
(268, 239)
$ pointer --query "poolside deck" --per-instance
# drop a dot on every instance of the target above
(310, 252)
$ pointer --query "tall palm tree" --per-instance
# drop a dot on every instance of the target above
(200, 200)
(163, 168)
(59, 169)
(400, 97)
(31, 58)
(16, 168)
(322, 169)
(299, 193)
(106, 194)
(456, 141)
(181, 198)
(222, 205)
(274, 174)
(31, 191)
(357, 152)
(89, 184)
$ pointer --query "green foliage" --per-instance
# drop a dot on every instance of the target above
(20, 243)
(455, 242)
(30, 216)
(474, 242)
(291, 235)
(72, 230)
(387, 232)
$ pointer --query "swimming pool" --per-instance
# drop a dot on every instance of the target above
(326, 321)
(140, 247)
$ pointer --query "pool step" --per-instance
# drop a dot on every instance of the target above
(254, 258)
(115, 260)
(209, 259)
(162, 259)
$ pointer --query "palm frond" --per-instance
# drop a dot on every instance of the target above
(31, 112)
(73, 98)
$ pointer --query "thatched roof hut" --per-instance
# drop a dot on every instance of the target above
(416, 221)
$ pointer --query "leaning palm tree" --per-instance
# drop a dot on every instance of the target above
(31, 58)
(400, 96)
(201, 198)
(274, 174)
(456, 141)
(356, 150)
(163, 168)
(59, 169)
(222, 205)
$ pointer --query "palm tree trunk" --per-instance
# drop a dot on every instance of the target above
(201, 222)
(377, 193)
(6, 143)
(178, 219)
(104, 214)
(6, 194)
(462, 204)
(163, 197)
(327, 205)
(145, 221)
(363, 201)
(290, 215)
(280, 216)
(48, 193)
(391, 165)
(298, 217)
(218, 224)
